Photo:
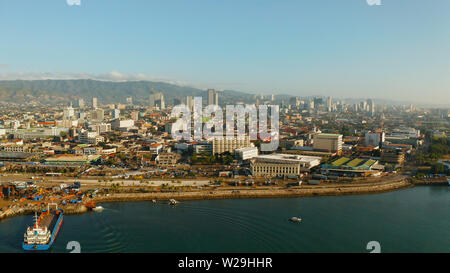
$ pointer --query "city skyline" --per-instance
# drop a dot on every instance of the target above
(346, 49)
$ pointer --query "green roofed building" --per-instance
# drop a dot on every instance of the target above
(340, 161)
(354, 163)
(346, 163)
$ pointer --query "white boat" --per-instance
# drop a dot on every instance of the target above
(173, 202)
(296, 219)
(98, 208)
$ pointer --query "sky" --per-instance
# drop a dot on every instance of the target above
(398, 50)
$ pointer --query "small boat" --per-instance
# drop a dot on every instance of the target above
(296, 219)
(154, 201)
(90, 205)
(98, 208)
(173, 202)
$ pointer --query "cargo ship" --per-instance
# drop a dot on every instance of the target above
(42, 234)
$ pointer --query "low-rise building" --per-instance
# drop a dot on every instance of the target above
(16, 148)
(246, 153)
(72, 159)
(203, 148)
(119, 124)
(282, 164)
(155, 148)
(90, 138)
(393, 156)
(168, 159)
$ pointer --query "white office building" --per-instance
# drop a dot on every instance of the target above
(122, 124)
(246, 153)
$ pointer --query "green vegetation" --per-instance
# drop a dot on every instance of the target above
(439, 148)
(205, 158)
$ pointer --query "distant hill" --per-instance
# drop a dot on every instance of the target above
(52, 92)
(64, 91)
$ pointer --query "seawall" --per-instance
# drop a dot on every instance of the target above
(24, 210)
(220, 194)
(255, 193)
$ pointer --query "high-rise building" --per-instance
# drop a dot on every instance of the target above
(157, 100)
(130, 101)
(294, 101)
(94, 103)
(371, 105)
(176, 101)
(115, 113)
(79, 103)
(68, 113)
(97, 114)
(82, 115)
(135, 115)
(225, 144)
(318, 101)
(216, 99)
(213, 97)
(374, 138)
(329, 104)
(363, 106)
(189, 102)
(311, 105)
(257, 101)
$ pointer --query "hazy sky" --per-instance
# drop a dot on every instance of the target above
(344, 48)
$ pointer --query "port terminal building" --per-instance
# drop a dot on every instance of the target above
(353, 167)
(282, 164)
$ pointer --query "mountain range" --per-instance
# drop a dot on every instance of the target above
(63, 91)
(53, 92)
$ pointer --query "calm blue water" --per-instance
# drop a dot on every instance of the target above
(409, 220)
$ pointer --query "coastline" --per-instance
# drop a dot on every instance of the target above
(254, 193)
(302, 191)
(27, 210)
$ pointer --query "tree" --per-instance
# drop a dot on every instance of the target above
(228, 159)
(438, 168)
